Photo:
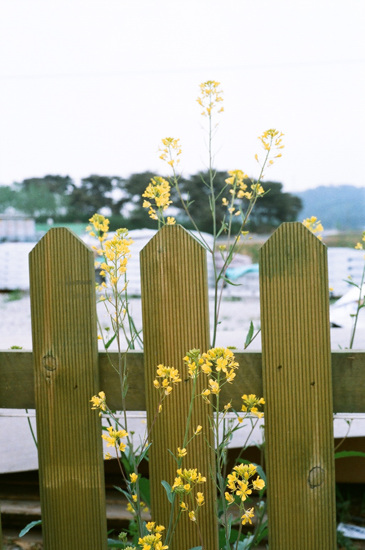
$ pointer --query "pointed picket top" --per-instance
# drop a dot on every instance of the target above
(176, 319)
(63, 306)
(297, 380)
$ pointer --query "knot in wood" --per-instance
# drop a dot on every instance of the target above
(49, 362)
(316, 477)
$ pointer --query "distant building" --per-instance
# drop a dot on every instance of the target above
(16, 227)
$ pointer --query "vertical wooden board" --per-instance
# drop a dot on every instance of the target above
(176, 319)
(63, 308)
(297, 381)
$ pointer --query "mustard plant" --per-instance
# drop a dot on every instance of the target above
(361, 295)
(238, 196)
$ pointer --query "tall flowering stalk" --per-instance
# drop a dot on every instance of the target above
(242, 192)
(361, 296)
(219, 367)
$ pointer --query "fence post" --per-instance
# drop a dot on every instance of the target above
(175, 311)
(297, 380)
(65, 353)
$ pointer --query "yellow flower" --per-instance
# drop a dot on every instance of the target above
(210, 98)
(229, 498)
(199, 499)
(114, 436)
(243, 490)
(246, 518)
(170, 220)
(157, 190)
(181, 452)
(258, 484)
(198, 430)
(170, 151)
(314, 226)
(133, 477)
(192, 516)
(250, 404)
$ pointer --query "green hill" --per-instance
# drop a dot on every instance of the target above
(338, 207)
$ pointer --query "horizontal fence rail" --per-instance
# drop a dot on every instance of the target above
(17, 380)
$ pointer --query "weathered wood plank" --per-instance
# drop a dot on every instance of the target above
(63, 307)
(176, 319)
(297, 387)
(17, 380)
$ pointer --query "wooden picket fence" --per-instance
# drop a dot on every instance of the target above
(302, 381)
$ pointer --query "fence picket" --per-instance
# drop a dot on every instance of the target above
(176, 319)
(297, 380)
(65, 355)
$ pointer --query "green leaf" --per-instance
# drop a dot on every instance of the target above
(347, 454)
(249, 335)
(29, 527)
(226, 280)
(144, 487)
(168, 490)
(127, 495)
(116, 544)
(110, 341)
(246, 543)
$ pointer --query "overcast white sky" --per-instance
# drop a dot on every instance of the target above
(92, 86)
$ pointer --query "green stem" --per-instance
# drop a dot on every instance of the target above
(359, 305)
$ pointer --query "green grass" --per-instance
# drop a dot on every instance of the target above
(78, 228)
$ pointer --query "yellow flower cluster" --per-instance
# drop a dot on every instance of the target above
(168, 376)
(100, 225)
(239, 190)
(153, 540)
(114, 438)
(170, 151)
(143, 506)
(186, 480)
(314, 226)
(251, 403)
(210, 98)
(99, 401)
(158, 190)
(184, 485)
(219, 365)
(360, 246)
(241, 485)
(116, 251)
(271, 139)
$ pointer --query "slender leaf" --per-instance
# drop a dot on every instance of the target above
(249, 334)
(110, 341)
(29, 527)
(168, 490)
(348, 454)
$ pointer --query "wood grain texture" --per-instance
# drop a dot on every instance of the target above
(298, 389)
(17, 380)
(63, 308)
(176, 319)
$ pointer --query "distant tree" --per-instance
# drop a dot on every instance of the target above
(274, 208)
(94, 194)
(43, 197)
(7, 197)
